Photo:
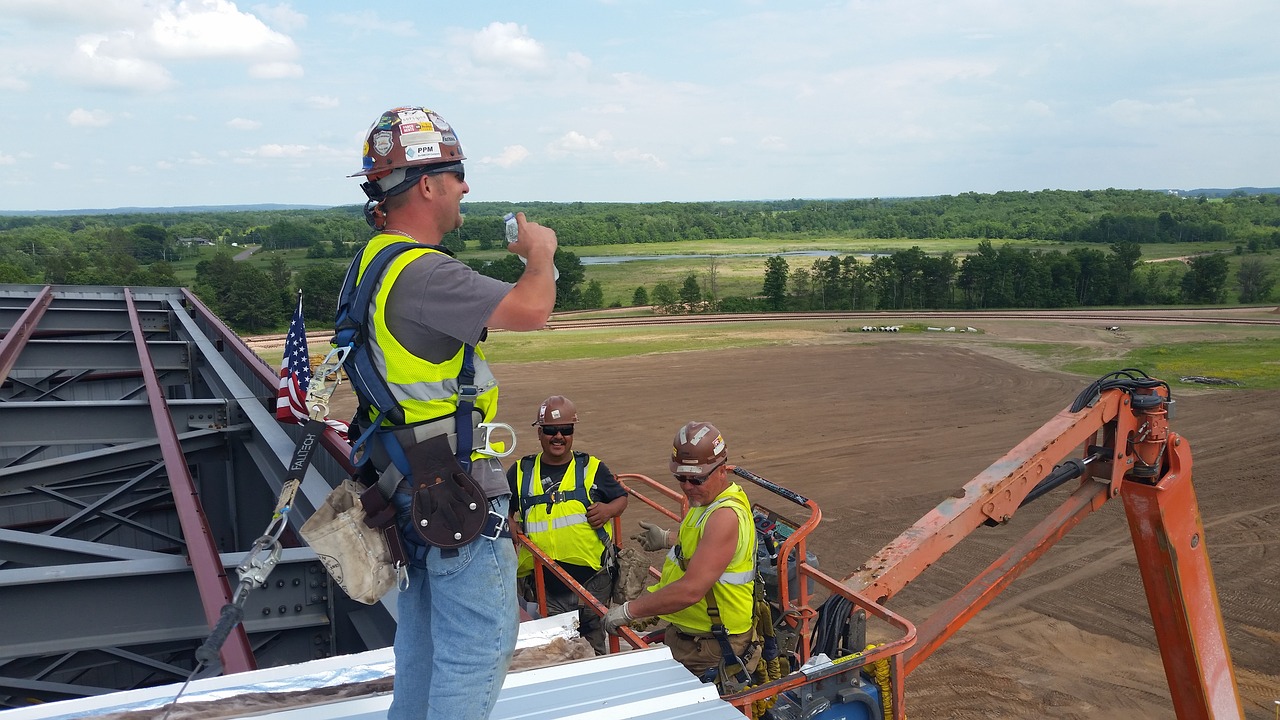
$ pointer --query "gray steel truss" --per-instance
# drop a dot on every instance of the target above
(140, 459)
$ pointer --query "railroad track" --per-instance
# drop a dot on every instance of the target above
(1215, 316)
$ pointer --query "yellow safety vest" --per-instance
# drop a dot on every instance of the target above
(559, 529)
(425, 390)
(734, 592)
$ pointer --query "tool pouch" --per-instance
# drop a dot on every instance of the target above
(448, 507)
(361, 557)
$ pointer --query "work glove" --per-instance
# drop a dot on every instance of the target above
(617, 616)
(653, 537)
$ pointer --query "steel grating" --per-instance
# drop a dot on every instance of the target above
(139, 459)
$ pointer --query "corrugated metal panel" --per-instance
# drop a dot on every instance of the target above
(639, 685)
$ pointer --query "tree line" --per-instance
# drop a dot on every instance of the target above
(141, 249)
(1003, 277)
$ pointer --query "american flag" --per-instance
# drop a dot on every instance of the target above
(295, 377)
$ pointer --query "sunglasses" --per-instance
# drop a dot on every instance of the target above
(455, 168)
(697, 480)
(553, 430)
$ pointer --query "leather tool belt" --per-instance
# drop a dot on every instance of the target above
(448, 507)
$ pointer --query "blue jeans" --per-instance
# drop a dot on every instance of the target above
(457, 628)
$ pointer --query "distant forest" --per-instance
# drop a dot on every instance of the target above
(146, 248)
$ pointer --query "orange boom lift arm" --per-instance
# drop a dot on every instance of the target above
(1121, 421)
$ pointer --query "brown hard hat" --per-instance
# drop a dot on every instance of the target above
(406, 136)
(697, 449)
(556, 410)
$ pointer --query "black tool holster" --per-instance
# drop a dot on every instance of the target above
(449, 509)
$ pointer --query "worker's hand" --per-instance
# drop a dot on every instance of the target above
(536, 241)
(597, 514)
(653, 537)
(616, 618)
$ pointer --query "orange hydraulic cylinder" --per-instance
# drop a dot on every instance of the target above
(1168, 535)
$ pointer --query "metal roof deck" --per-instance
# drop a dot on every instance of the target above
(640, 685)
(139, 459)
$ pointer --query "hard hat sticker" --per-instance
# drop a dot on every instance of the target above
(438, 121)
(418, 138)
(414, 115)
(422, 152)
(381, 142)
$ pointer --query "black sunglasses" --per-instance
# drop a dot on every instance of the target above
(552, 430)
(455, 168)
(696, 480)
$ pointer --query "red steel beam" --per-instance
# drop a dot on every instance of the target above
(1168, 535)
(16, 337)
(331, 441)
(202, 552)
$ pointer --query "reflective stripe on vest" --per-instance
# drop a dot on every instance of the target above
(425, 390)
(735, 589)
(562, 532)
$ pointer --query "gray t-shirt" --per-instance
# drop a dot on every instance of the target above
(436, 305)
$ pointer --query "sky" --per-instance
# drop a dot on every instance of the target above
(161, 103)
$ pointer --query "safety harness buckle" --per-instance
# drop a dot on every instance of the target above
(496, 526)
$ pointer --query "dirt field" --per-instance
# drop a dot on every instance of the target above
(880, 428)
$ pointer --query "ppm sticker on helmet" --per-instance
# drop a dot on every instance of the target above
(382, 142)
(422, 152)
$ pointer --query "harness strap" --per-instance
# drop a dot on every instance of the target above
(555, 495)
(352, 329)
(467, 393)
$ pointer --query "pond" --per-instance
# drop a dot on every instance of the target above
(614, 259)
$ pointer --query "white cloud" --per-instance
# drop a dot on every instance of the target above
(282, 16)
(575, 143)
(322, 102)
(368, 22)
(13, 82)
(510, 156)
(276, 150)
(7, 159)
(216, 29)
(634, 156)
(88, 118)
(132, 45)
(243, 124)
(90, 66)
(164, 165)
(275, 70)
(1140, 114)
(508, 45)
(600, 146)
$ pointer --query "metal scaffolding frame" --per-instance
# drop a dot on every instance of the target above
(140, 458)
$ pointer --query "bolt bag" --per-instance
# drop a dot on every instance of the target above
(358, 557)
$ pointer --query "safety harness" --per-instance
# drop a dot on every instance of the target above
(447, 507)
(731, 674)
(555, 495)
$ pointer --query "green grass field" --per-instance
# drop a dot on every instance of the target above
(1249, 356)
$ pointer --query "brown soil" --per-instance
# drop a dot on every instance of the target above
(878, 430)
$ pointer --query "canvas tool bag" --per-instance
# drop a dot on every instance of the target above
(360, 549)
